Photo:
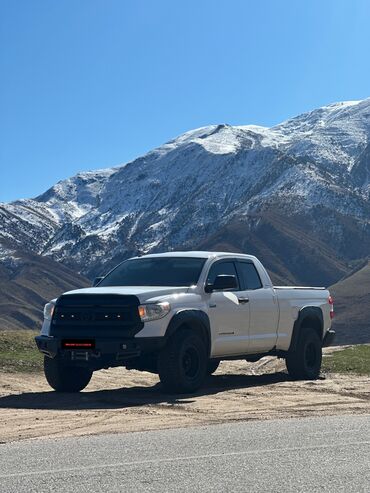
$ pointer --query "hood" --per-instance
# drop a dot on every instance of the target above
(144, 293)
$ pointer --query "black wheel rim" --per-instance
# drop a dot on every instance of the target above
(311, 355)
(190, 362)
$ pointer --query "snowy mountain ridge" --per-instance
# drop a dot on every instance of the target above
(313, 169)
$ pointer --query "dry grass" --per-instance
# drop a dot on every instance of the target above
(355, 359)
(18, 351)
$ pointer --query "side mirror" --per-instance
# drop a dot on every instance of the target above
(222, 283)
(97, 280)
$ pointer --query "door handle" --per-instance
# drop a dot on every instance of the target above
(243, 300)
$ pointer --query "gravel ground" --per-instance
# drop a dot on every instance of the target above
(118, 401)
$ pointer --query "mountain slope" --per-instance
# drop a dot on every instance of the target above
(352, 307)
(291, 254)
(297, 194)
(27, 282)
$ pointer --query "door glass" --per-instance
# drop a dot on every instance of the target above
(220, 268)
(249, 275)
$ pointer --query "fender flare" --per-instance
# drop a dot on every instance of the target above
(312, 313)
(193, 318)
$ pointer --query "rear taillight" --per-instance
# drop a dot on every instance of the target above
(331, 304)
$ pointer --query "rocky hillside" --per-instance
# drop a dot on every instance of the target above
(297, 195)
(310, 174)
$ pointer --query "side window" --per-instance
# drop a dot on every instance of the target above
(220, 268)
(249, 275)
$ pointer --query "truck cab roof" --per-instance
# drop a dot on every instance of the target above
(198, 254)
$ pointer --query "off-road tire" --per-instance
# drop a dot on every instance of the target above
(304, 363)
(182, 363)
(63, 378)
(212, 366)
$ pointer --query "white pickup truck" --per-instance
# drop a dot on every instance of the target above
(179, 314)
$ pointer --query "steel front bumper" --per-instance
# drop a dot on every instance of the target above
(106, 352)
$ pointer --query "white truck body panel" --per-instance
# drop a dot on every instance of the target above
(260, 325)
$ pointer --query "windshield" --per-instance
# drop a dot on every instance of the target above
(156, 271)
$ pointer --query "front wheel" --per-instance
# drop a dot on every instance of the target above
(63, 378)
(182, 363)
(304, 363)
(212, 366)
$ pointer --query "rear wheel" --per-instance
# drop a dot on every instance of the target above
(182, 363)
(212, 366)
(63, 378)
(304, 363)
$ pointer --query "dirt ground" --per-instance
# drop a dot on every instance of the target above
(118, 400)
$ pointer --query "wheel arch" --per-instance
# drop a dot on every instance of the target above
(309, 317)
(191, 319)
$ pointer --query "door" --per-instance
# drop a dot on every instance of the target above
(229, 317)
(264, 309)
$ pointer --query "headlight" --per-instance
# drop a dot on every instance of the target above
(48, 310)
(153, 311)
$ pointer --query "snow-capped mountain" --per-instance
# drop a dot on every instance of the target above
(306, 180)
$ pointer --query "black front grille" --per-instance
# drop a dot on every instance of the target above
(97, 314)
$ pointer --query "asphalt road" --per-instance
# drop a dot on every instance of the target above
(309, 454)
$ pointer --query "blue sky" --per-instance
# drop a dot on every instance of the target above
(86, 84)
